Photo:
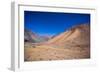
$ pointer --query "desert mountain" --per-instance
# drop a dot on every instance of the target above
(29, 36)
(78, 35)
(71, 44)
(32, 37)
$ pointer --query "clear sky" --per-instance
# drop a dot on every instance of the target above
(51, 23)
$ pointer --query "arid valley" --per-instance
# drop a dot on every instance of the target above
(73, 43)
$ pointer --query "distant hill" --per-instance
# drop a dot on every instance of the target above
(32, 37)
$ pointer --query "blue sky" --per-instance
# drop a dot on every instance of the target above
(52, 23)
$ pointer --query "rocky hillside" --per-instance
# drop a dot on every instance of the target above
(32, 37)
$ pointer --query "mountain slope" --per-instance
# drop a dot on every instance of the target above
(32, 37)
(79, 35)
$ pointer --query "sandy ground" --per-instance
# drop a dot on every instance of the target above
(49, 53)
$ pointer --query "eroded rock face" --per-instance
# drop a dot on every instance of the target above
(71, 44)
